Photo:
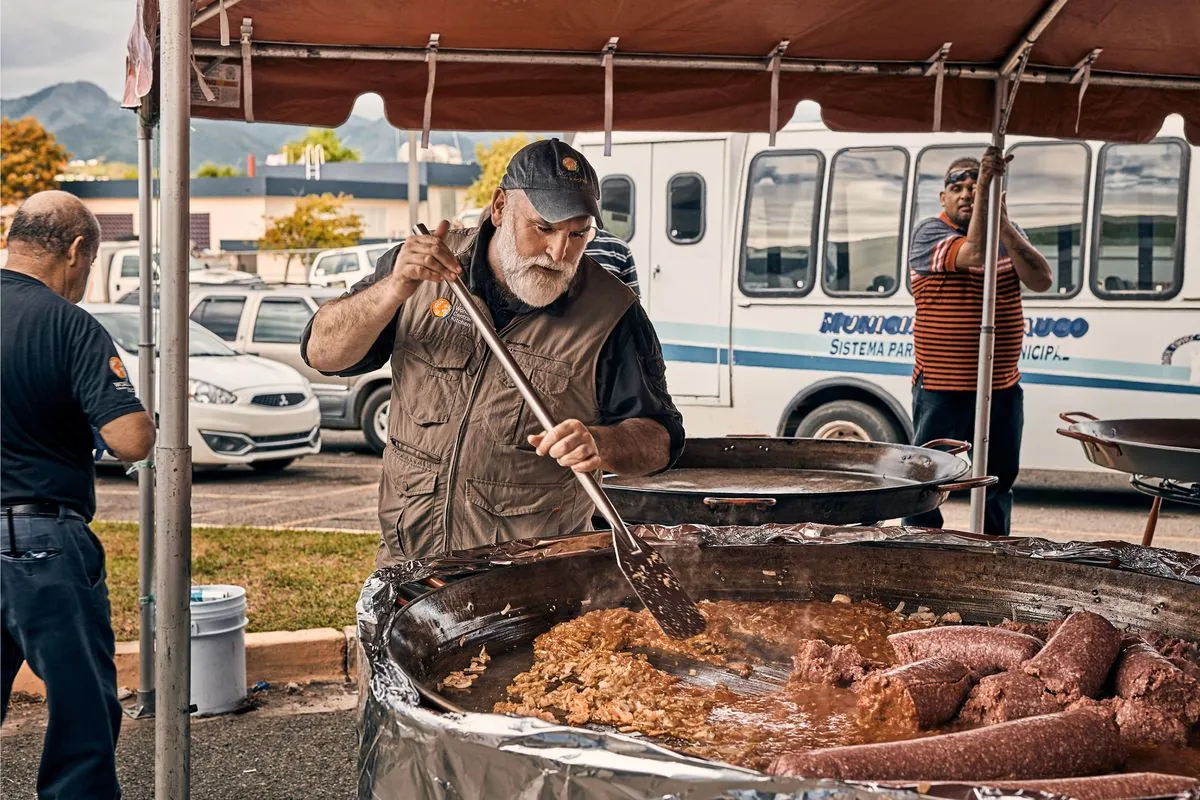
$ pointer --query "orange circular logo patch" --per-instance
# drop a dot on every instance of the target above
(570, 164)
(117, 368)
(440, 307)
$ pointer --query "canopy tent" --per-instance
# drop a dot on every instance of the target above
(705, 64)
(1103, 69)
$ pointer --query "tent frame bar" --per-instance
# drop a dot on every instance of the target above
(211, 48)
(1031, 36)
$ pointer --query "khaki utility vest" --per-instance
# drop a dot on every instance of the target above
(458, 471)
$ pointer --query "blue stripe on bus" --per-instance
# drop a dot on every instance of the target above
(698, 354)
(715, 336)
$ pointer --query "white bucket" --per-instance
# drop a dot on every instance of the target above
(218, 648)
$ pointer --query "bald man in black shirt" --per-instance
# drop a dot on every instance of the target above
(62, 379)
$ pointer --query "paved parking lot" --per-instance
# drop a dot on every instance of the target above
(337, 490)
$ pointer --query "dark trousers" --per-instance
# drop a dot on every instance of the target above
(951, 415)
(56, 615)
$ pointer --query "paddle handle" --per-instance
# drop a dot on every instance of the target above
(590, 484)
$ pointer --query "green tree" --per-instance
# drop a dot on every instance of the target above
(493, 160)
(31, 160)
(330, 143)
(211, 170)
(318, 221)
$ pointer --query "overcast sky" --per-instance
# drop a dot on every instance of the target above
(53, 41)
(44, 42)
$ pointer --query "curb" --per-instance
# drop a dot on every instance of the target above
(277, 657)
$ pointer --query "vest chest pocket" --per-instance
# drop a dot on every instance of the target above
(505, 511)
(431, 379)
(407, 510)
(507, 414)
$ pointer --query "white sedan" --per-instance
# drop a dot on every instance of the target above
(242, 409)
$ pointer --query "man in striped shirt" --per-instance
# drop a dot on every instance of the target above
(612, 253)
(946, 261)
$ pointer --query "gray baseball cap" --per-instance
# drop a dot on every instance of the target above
(557, 179)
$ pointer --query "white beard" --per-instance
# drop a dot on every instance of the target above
(534, 280)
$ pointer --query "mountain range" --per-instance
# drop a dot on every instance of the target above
(90, 124)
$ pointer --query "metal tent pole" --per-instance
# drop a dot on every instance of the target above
(414, 179)
(145, 692)
(172, 734)
(987, 329)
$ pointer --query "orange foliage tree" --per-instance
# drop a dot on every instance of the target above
(31, 160)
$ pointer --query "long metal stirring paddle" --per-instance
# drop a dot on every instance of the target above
(651, 577)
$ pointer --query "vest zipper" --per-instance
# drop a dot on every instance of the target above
(462, 431)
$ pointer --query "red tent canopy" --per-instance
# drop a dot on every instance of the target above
(699, 64)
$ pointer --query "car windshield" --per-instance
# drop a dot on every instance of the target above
(194, 263)
(123, 328)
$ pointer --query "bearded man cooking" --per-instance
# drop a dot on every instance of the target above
(467, 463)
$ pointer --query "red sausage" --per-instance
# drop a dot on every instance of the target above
(1063, 745)
(1076, 660)
(920, 695)
(1108, 787)
(1146, 675)
(978, 648)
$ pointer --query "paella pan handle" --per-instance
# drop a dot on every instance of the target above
(956, 446)
(1069, 417)
(1087, 438)
(978, 482)
(1083, 437)
(757, 502)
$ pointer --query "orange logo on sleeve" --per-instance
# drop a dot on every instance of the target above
(117, 368)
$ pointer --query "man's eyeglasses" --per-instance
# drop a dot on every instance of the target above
(961, 175)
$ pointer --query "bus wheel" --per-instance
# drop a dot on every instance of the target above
(848, 419)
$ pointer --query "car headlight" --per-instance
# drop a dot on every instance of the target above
(203, 392)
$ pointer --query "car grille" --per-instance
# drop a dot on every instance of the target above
(278, 400)
(285, 439)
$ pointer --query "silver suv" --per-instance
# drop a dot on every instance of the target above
(268, 322)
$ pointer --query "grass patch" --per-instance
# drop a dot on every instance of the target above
(293, 579)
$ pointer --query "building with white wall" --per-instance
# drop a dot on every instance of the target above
(229, 215)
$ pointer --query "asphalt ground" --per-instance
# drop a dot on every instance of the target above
(294, 745)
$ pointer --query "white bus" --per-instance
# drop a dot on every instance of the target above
(777, 277)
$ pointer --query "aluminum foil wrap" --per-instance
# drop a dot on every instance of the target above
(408, 750)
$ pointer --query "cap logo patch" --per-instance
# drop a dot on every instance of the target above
(570, 164)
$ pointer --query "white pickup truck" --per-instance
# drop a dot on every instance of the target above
(116, 270)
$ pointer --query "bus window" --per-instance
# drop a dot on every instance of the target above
(866, 210)
(616, 206)
(1046, 187)
(931, 173)
(1137, 253)
(685, 202)
(779, 230)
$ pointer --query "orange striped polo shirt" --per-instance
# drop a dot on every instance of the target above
(949, 304)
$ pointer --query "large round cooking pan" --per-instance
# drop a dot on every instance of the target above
(1161, 448)
(505, 608)
(758, 480)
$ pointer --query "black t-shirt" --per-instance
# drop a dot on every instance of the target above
(61, 377)
(631, 378)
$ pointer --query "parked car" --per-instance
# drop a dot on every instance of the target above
(242, 409)
(117, 271)
(470, 217)
(269, 322)
(346, 266)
